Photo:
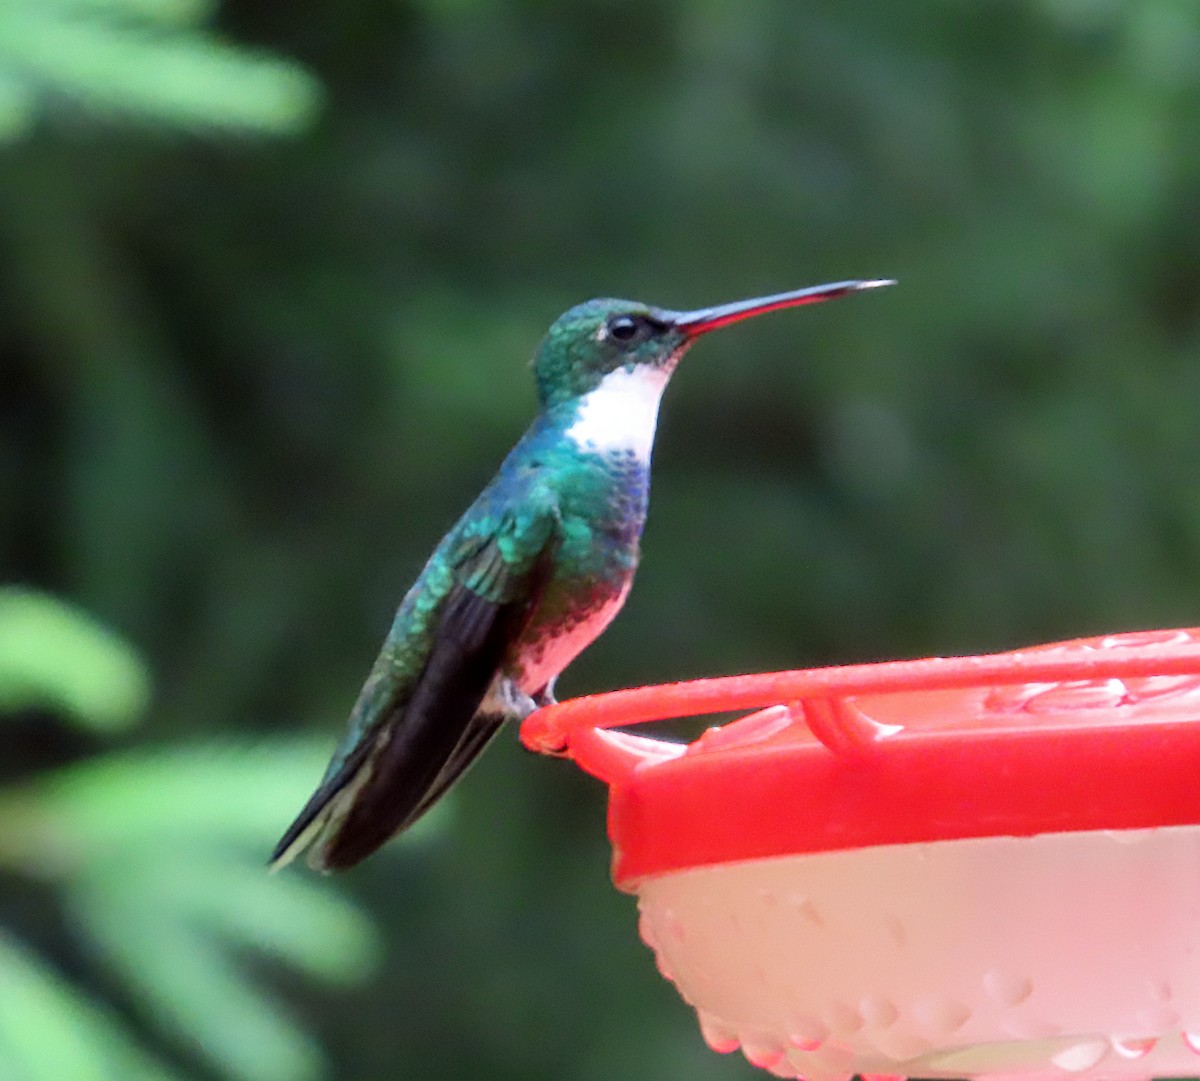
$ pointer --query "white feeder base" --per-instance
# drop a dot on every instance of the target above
(1058, 956)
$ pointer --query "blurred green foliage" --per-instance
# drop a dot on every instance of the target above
(246, 382)
(154, 861)
(56, 657)
(149, 59)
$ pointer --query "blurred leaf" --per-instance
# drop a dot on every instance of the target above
(295, 918)
(139, 58)
(207, 795)
(50, 1032)
(193, 990)
(175, 846)
(233, 903)
(160, 11)
(54, 656)
(196, 913)
(16, 107)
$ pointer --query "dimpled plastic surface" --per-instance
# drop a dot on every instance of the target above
(964, 867)
(1070, 954)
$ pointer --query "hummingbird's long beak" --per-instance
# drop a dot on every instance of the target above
(693, 324)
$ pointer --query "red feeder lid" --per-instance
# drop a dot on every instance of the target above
(1096, 733)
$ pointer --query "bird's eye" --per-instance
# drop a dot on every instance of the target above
(624, 328)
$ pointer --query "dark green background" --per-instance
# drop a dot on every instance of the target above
(250, 371)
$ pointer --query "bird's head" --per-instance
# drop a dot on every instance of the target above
(600, 338)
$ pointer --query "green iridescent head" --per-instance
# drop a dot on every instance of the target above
(598, 337)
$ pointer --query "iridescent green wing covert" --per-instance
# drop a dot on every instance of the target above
(417, 723)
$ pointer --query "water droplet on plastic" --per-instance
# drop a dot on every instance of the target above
(878, 1011)
(896, 931)
(1160, 990)
(1157, 1020)
(762, 1053)
(807, 1034)
(718, 1035)
(941, 1015)
(1005, 988)
(1081, 1056)
(900, 1044)
(801, 1044)
(804, 905)
(1134, 1048)
(842, 1019)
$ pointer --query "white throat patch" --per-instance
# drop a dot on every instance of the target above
(621, 413)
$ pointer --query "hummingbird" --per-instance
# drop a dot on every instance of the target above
(529, 576)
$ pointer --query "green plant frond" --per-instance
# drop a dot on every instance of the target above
(55, 656)
(135, 59)
(234, 904)
(208, 796)
(299, 920)
(50, 1032)
(166, 12)
(17, 107)
(195, 993)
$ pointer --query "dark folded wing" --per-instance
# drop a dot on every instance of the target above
(420, 736)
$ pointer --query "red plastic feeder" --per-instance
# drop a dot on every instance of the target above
(954, 867)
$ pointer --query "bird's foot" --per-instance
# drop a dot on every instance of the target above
(545, 697)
